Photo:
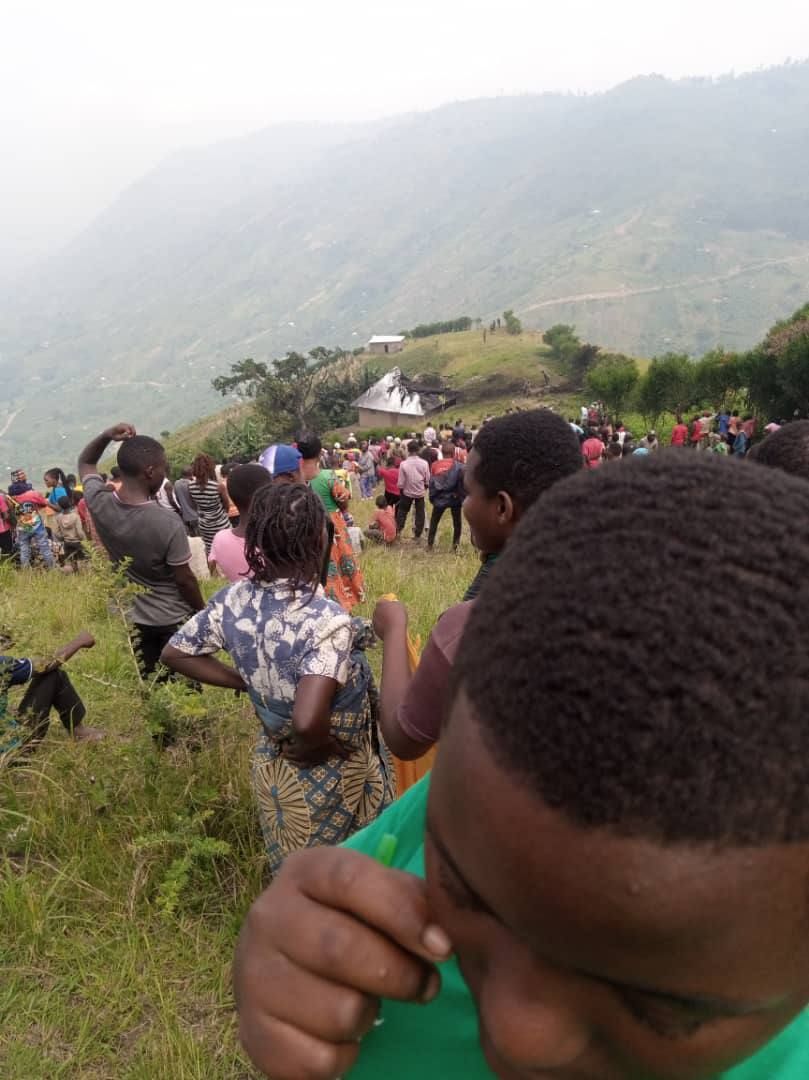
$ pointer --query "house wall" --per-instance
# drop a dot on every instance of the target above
(380, 349)
(374, 418)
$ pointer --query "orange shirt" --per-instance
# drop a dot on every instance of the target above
(387, 523)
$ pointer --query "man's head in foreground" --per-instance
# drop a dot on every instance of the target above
(618, 826)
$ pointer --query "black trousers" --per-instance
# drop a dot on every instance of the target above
(148, 643)
(51, 690)
(435, 518)
(6, 543)
(391, 499)
(403, 509)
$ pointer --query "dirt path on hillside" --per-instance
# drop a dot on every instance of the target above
(688, 283)
(9, 422)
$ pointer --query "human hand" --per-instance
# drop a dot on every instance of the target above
(85, 640)
(333, 934)
(120, 432)
(389, 615)
(298, 753)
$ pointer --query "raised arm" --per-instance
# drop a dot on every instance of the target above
(92, 453)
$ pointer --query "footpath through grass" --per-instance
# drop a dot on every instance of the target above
(124, 872)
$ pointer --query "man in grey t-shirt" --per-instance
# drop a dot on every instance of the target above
(131, 525)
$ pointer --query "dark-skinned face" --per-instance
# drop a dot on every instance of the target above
(154, 475)
(491, 517)
(598, 957)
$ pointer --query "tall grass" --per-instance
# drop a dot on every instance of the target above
(124, 871)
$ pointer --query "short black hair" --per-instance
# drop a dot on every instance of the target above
(786, 449)
(285, 534)
(381, 502)
(525, 453)
(244, 481)
(309, 446)
(138, 453)
(413, 446)
(613, 708)
(115, 472)
(65, 502)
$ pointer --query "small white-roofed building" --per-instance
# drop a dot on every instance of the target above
(381, 344)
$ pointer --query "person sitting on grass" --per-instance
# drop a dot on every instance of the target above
(600, 893)
(48, 687)
(227, 555)
(382, 529)
(320, 771)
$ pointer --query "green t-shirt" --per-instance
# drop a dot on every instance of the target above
(439, 1041)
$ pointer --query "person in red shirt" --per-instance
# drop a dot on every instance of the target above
(389, 474)
(679, 434)
(382, 529)
(592, 450)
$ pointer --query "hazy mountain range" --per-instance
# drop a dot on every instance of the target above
(661, 215)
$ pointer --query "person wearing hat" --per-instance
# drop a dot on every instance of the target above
(649, 442)
(282, 462)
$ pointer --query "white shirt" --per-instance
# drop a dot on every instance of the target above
(429, 434)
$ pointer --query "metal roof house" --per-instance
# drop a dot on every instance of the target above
(380, 344)
(386, 404)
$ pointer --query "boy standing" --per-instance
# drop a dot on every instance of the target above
(414, 479)
(132, 526)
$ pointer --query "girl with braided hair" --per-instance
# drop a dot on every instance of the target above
(320, 769)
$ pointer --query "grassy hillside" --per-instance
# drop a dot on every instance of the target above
(661, 215)
(110, 971)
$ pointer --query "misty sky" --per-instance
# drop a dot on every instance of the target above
(95, 92)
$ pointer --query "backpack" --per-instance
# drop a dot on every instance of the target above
(444, 487)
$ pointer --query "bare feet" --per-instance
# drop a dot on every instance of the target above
(88, 734)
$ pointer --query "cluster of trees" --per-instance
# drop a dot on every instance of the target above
(455, 326)
(772, 379)
(447, 326)
(298, 392)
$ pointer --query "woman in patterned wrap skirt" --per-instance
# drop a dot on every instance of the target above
(320, 769)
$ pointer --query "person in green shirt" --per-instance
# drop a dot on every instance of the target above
(598, 881)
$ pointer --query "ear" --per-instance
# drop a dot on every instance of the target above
(506, 509)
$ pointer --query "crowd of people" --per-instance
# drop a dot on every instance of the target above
(724, 432)
(605, 870)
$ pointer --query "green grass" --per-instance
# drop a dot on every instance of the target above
(111, 969)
